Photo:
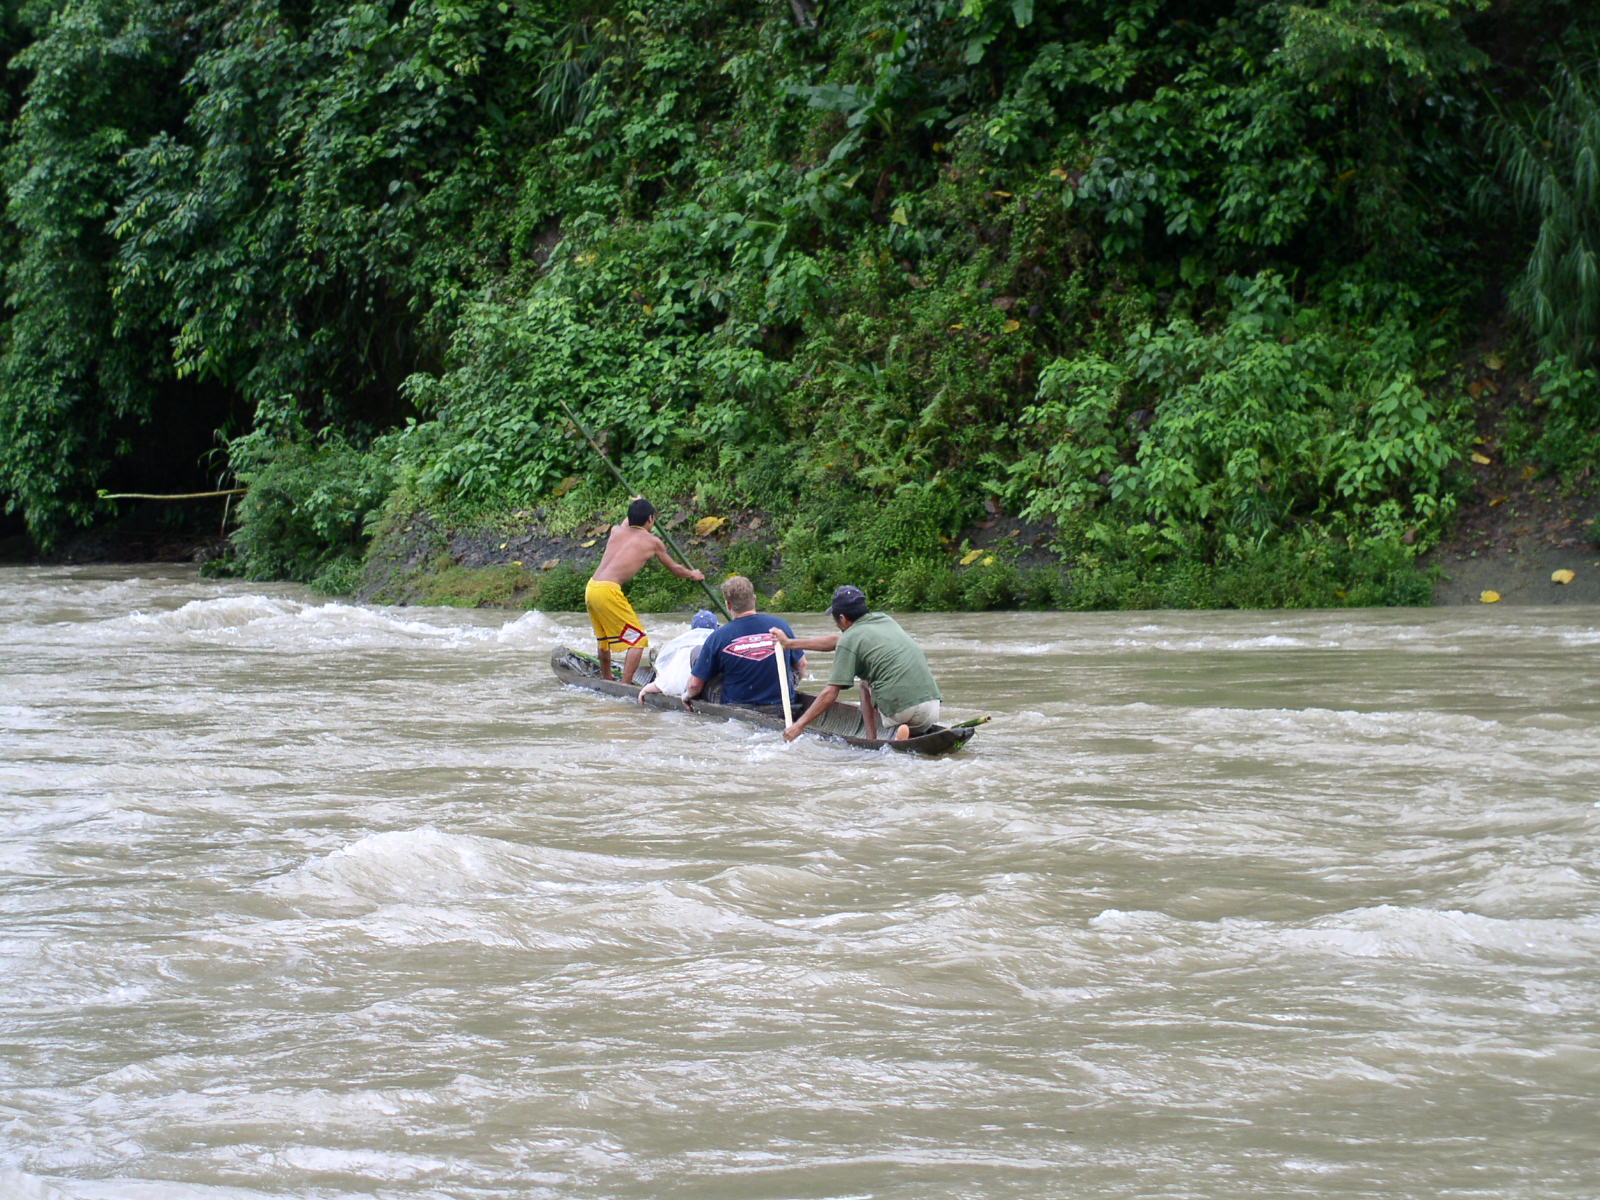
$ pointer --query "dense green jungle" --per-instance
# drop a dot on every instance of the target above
(976, 303)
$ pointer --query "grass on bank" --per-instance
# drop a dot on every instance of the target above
(903, 560)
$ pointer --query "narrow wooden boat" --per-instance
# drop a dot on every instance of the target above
(841, 723)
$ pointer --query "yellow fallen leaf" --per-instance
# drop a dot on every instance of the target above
(970, 557)
(988, 560)
(1489, 597)
(1563, 576)
(1498, 501)
(706, 526)
(1058, 173)
(1013, 325)
(590, 542)
(1482, 460)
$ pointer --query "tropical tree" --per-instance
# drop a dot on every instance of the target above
(1553, 160)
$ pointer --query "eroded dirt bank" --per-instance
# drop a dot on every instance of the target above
(1511, 538)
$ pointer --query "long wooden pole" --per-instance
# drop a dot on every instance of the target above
(716, 600)
(170, 495)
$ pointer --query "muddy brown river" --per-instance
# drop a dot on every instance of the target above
(314, 900)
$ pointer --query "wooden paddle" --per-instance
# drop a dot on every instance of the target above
(782, 656)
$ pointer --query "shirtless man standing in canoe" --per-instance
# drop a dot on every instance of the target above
(616, 625)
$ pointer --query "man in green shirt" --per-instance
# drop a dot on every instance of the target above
(897, 688)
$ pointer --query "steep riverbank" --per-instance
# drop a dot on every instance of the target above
(1513, 536)
(520, 561)
(1510, 538)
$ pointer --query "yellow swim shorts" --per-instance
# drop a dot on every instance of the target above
(616, 625)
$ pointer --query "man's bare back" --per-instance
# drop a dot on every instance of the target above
(628, 548)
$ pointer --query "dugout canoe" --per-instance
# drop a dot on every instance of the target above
(841, 723)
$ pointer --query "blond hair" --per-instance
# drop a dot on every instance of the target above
(740, 594)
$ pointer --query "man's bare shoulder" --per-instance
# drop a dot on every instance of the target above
(628, 548)
(641, 541)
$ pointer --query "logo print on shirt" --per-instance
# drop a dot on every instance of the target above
(753, 646)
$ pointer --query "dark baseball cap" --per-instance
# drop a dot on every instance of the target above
(848, 601)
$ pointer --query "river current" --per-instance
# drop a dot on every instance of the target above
(308, 899)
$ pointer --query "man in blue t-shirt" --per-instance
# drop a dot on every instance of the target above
(741, 652)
